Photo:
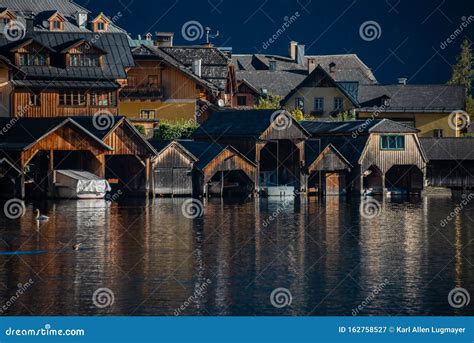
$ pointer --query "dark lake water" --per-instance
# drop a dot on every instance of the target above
(328, 258)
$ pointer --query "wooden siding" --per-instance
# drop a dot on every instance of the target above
(289, 129)
(66, 138)
(386, 159)
(452, 174)
(229, 160)
(173, 157)
(50, 106)
(328, 160)
(126, 141)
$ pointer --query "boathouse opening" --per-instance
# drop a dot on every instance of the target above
(280, 164)
(231, 183)
(404, 178)
(373, 180)
(10, 179)
(127, 173)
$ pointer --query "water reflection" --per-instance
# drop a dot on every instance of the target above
(155, 260)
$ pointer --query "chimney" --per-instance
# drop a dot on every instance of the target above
(29, 23)
(292, 50)
(81, 19)
(164, 39)
(402, 80)
(300, 55)
(273, 65)
(148, 36)
(197, 67)
(311, 65)
(332, 69)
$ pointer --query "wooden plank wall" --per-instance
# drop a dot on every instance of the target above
(126, 141)
(229, 160)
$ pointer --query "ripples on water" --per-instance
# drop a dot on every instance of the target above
(156, 260)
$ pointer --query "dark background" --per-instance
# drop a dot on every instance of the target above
(409, 45)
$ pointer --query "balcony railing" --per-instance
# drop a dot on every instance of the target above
(141, 92)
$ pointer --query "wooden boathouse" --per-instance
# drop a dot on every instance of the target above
(31, 149)
(272, 139)
(187, 167)
(384, 155)
(451, 162)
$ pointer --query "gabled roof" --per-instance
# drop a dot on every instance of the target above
(25, 42)
(355, 127)
(75, 43)
(26, 132)
(419, 98)
(215, 65)
(318, 76)
(56, 14)
(448, 149)
(314, 149)
(245, 123)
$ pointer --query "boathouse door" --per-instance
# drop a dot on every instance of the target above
(173, 181)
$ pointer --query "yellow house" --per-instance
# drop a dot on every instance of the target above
(435, 110)
(320, 96)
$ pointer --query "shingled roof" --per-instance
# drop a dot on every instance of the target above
(355, 127)
(115, 45)
(420, 98)
(44, 9)
(215, 65)
(448, 149)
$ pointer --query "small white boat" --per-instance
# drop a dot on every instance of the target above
(79, 184)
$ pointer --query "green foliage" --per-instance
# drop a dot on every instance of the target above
(297, 114)
(141, 129)
(168, 131)
(346, 115)
(270, 102)
(463, 73)
(470, 106)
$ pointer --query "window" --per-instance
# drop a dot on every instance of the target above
(72, 98)
(392, 142)
(438, 133)
(153, 81)
(25, 59)
(338, 103)
(241, 100)
(5, 21)
(299, 103)
(103, 99)
(35, 99)
(84, 60)
(318, 104)
(56, 25)
(100, 26)
(147, 114)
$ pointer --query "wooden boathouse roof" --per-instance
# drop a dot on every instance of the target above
(449, 148)
(246, 124)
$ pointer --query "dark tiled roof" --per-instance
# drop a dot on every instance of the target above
(118, 56)
(44, 9)
(214, 63)
(276, 82)
(205, 152)
(446, 149)
(445, 98)
(355, 127)
(45, 84)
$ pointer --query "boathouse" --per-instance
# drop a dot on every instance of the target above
(32, 149)
(187, 167)
(384, 155)
(451, 162)
(271, 139)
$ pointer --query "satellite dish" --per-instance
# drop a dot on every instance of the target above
(221, 103)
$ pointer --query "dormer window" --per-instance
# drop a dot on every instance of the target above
(6, 17)
(26, 59)
(84, 60)
(56, 22)
(100, 26)
(100, 23)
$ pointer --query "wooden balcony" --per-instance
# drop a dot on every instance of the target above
(141, 93)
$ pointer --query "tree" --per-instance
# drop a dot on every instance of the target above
(141, 129)
(270, 102)
(463, 73)
(168, 131)
(297, 114)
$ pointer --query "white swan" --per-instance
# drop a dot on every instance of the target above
(41, 217)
